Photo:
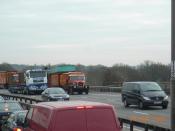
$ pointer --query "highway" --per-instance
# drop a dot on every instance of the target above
(153, 115)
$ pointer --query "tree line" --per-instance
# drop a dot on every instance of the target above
(102, 75)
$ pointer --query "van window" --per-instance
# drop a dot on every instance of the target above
(101, 120)
(127, 87)
(150, 86)
(70, 120)
(135, 88)
(42, 116)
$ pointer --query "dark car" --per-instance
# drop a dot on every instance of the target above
(15, 120)
(143, 94)
(54, 94)
(6, 108)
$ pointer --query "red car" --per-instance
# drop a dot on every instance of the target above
(71, 116)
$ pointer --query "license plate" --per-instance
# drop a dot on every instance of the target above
(157, 102)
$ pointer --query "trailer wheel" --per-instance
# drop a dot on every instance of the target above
(86, 92)
(71, 91)
(79, 92)
(27, 92)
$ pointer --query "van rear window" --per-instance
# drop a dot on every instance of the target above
(42, 116)
(101, 120)
(70, 120)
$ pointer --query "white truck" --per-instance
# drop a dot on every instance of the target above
(36, 81)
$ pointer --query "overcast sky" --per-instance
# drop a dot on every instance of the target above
(88, 32)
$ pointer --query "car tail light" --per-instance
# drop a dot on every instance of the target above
(17, 129)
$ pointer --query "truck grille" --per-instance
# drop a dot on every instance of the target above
(80, 84)
(35, 81)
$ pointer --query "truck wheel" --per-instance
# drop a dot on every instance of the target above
(71, 91)
(86, 92)
(80, 92)
(28, 92)
(164, 106)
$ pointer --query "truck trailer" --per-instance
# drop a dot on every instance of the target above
(69, 79)
(9, 79)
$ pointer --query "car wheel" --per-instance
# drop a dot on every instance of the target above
(141, 105)
(164, 106)
(125, 103)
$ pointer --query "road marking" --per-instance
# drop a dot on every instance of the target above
(137, 112)
(135, 129)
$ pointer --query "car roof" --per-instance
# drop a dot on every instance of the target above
(71, 104)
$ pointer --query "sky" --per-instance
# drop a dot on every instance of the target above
(87, 32)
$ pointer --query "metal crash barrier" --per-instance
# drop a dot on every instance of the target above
(146, 127)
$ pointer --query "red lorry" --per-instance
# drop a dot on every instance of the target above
(69, 79)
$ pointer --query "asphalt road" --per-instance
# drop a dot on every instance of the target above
(152, 115)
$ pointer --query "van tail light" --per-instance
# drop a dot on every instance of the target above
(89, 107)
(17, 129)
(80, 107)
(84, 107)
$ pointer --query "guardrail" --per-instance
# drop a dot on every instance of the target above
(26, 104)
(165, 86)
(20, 98)
(146, 127)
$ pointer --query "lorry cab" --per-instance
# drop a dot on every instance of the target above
(71, 116)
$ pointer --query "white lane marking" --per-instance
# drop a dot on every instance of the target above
(135, 129)
(137, 112)
(106, 94)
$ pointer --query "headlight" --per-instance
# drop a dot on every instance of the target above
(51, 96)
(67, 96)
(146, 98)
(166, 98)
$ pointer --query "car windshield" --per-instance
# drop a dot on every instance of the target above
(9, 106)
(34, 74)
(150, 86)
(1, 98)
(56, 91)
(73, 78)
(21, 116)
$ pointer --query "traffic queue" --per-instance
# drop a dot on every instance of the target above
(58, 114)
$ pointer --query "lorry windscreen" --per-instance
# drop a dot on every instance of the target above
(73, 78)
(34, 74)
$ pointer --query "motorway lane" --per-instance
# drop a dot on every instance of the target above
(153, 115)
